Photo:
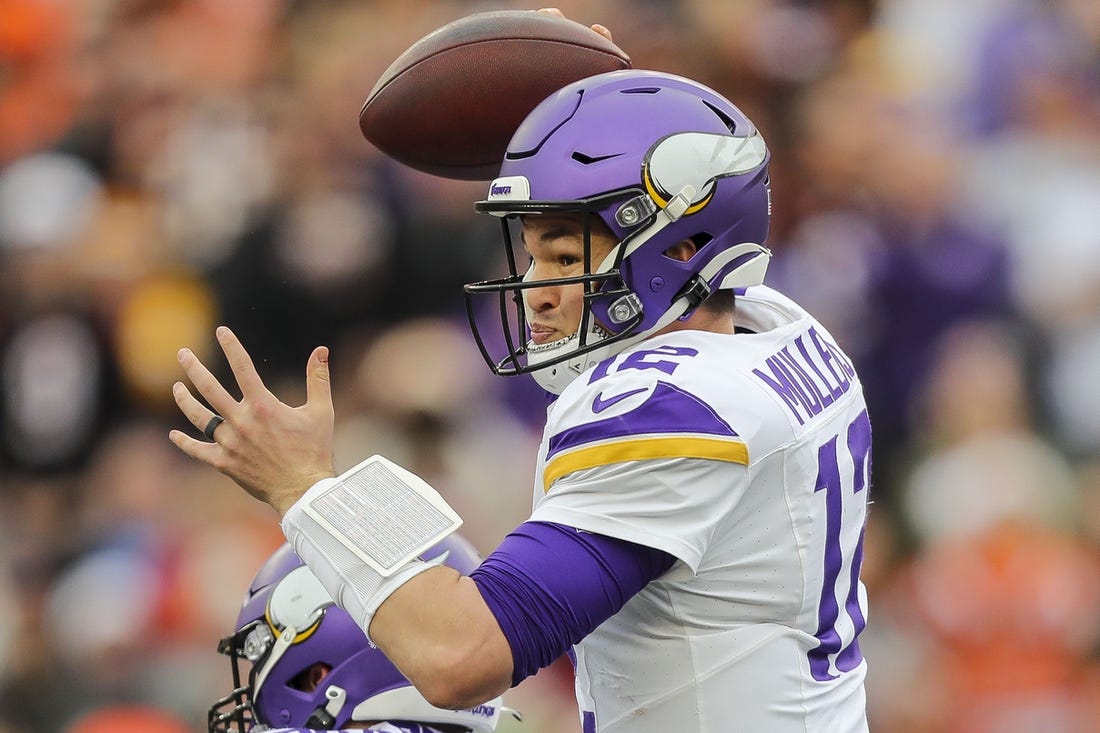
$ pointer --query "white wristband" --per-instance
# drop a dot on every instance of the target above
(361, 533)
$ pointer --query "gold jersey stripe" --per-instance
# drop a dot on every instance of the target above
(678, 446)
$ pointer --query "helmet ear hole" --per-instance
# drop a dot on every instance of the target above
(682, 251)
(310, 678)
(686, 249)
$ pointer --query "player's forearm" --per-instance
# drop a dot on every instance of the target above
(438, 631)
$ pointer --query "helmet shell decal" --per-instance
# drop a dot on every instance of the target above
(698, 159)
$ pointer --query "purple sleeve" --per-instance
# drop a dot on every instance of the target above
(549, 585)
(404, 727)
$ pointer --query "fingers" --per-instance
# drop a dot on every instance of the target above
(248, 379)
(199, 415)
(197, 449)
(601, 29)
(272, 450)
(196, 412)
(318, 386)
(206, 384)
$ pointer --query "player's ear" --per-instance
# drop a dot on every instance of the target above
(310, 678)
(683, 250)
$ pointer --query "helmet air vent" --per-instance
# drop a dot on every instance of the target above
(726, 119)
(526, 148)
(590, 159)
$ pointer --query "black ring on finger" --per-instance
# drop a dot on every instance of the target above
(211, 426)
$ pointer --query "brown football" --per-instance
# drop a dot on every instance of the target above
(449, 104)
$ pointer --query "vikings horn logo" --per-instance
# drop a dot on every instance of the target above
(697, 159)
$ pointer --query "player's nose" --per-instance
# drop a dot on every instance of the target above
(541, 299)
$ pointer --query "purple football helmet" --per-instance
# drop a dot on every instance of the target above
(289, 626)
(659, 159)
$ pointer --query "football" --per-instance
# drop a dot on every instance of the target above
(449, 104)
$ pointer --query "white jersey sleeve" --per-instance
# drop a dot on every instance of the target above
(747, 458)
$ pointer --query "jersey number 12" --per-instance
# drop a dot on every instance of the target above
(838, 491)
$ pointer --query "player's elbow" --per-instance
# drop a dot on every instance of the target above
(459, 694)
(463, 677)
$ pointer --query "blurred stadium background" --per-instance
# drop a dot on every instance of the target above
(168, 165)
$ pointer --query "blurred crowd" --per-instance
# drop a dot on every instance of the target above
(169, 165)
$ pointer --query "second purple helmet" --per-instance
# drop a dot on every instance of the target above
(300, 661)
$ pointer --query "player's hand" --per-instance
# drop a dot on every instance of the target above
(602, 30)
(274, 451)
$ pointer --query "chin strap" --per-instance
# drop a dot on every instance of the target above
(324, 717)
(748, 262)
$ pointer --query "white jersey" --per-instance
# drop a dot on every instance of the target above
(747, 458)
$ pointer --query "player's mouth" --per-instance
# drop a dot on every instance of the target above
(541, 334)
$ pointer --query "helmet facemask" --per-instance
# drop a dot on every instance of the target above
(233, 713)
(609, 313)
